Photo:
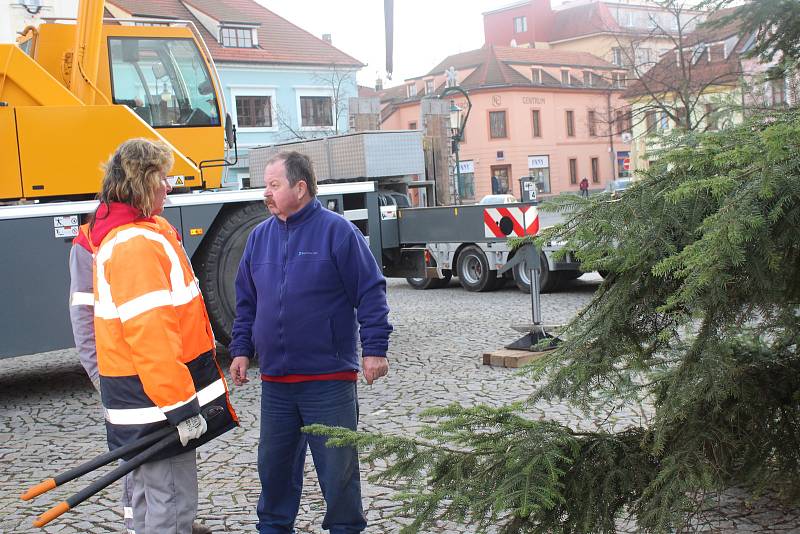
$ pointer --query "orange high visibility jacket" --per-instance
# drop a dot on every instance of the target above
(155, 348)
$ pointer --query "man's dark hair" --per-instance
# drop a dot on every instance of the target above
(298, 167)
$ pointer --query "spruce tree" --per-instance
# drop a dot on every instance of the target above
(699, 317)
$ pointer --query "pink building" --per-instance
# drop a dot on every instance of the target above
(555, 116)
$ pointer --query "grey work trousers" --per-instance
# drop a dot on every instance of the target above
(165, 495)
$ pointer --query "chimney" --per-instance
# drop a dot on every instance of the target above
(379, 84)
(327, 38)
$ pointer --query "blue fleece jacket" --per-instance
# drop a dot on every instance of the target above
(301, 286)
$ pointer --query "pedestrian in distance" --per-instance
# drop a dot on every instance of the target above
(149, 348)
(307, 285)
(584, 186)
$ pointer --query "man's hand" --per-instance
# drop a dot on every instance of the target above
(374, 368)
(239, 367)
(191, 428)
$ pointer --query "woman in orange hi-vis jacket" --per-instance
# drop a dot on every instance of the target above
(155, 348)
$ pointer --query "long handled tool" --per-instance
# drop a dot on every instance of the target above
(94, 463)
(107, 479)
(151, 444)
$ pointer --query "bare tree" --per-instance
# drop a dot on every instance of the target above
(338, 82)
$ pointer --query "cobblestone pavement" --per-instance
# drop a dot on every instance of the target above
(50, 418)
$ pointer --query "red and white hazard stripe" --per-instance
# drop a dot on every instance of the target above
(518, 221)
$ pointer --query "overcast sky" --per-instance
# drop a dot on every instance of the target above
(425, 31)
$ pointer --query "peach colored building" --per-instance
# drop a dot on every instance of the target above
(555, 116)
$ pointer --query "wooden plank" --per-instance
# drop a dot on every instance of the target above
(510, 358)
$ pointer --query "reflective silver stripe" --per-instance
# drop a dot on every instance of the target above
(177, 405)
(153, 414)
(80, 298)
(144, 303)
(127, 512)
(180, 292)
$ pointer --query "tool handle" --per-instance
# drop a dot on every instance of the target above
(38, 489)
(51, 514)
(94, 463)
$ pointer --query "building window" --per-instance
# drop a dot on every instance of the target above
(711, 117)
(539, 170)
(650, 120)
(254, 111)
(617, 79)
(536, 76)
(573, 171)
(591, 121)
(466, 184)
(412, 125)
(520, 24)
(619, 121)
(664, 122)
(570, 123)
(411, 90)
(316, 111)
(429, 87)
(682, 118)
(565, 77)
(497, 124)
(778, 92)
(642, 56)
(587, 78)
(236, 37)
(617, 57)
(536, 117)
(627, 121)
(595, 171)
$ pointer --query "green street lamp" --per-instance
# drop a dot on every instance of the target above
(458, 120)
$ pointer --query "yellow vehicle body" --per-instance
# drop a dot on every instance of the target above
(62, 115)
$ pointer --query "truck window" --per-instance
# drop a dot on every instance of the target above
(164, 81)
(27, 46)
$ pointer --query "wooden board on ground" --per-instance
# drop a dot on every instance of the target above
(510, 358)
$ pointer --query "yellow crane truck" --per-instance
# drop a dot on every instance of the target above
(70, 93)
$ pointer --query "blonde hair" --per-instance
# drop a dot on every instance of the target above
(133, 173)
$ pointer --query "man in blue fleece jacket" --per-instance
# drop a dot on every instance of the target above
(306, 282)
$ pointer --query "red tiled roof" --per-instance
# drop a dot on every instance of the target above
(364, 91)
(221, 11)
(582, 20)
(393, 93)
(279, 41)
(526, 56)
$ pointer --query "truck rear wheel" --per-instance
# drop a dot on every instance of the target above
(473, 270)
(431, 283)
(218, 260)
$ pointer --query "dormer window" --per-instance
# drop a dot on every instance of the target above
(411, 90)
(565, 77)
(536, 76)
(587, 78)
(428, 87)
(236, 37)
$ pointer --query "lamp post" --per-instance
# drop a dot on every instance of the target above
(457, 122)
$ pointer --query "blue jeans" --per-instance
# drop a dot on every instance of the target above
(285, 408)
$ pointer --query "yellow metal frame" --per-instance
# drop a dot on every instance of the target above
(60, 120)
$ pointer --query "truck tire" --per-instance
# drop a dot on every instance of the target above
(548, 280)
(473, 270)
(431, 283)
(217, 261)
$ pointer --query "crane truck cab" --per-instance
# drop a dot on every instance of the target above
(74, 90)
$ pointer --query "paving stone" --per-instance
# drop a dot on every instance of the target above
(50, 419)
